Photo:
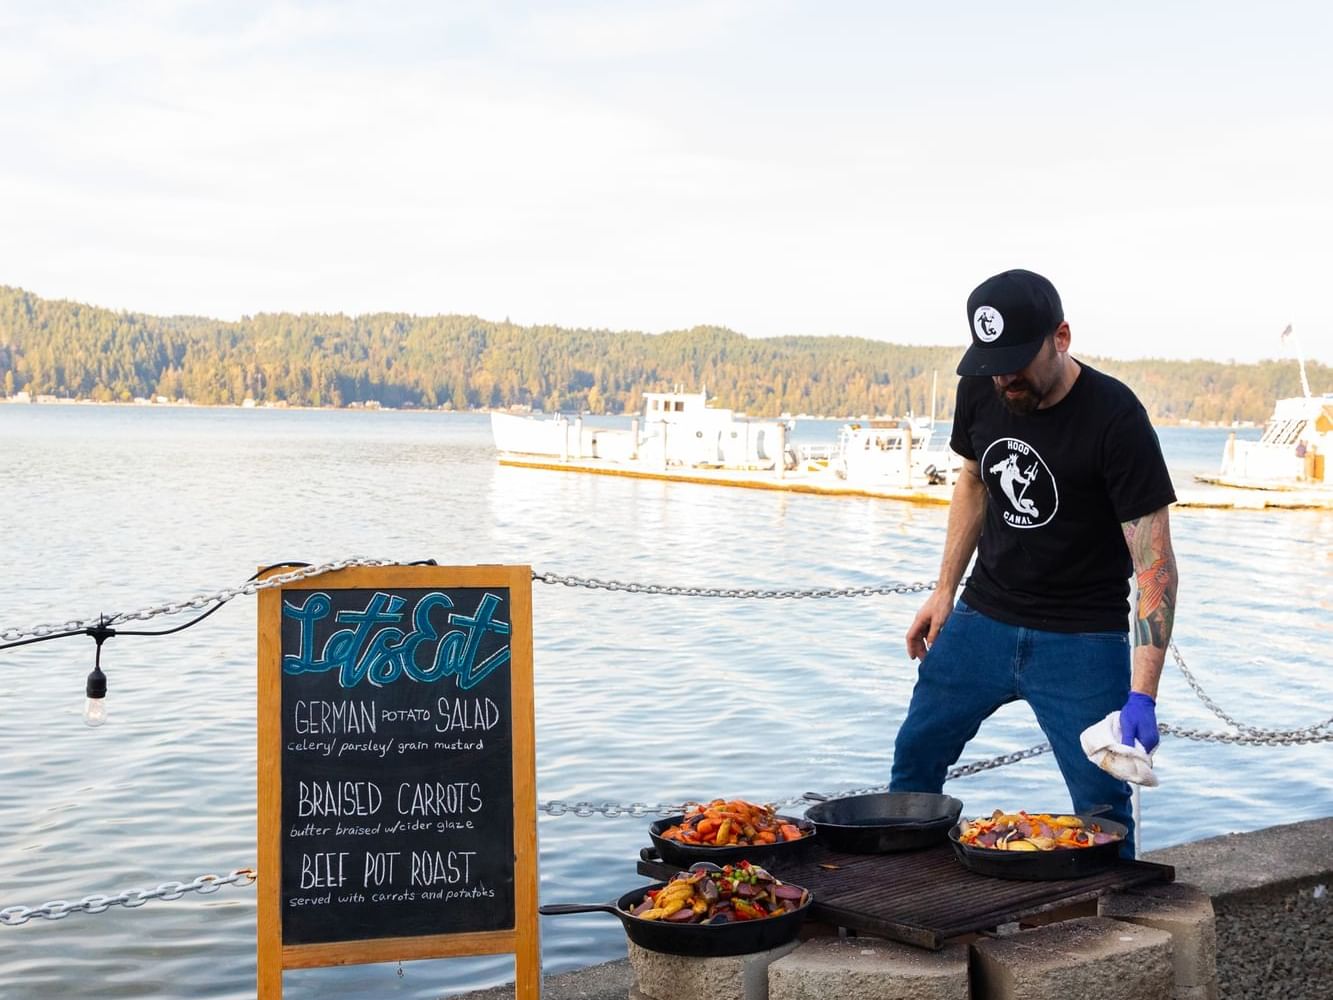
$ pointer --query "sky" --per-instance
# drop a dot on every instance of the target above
(829, 168)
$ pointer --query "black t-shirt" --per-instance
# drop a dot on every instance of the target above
(1060, 482)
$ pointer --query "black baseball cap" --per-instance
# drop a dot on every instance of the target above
(1010, 315)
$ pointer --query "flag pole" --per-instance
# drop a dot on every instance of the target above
(1300, 357)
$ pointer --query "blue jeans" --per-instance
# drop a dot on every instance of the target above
(977, 664)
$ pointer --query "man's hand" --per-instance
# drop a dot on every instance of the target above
(960, 540)
(1138, 721)
(927, 623)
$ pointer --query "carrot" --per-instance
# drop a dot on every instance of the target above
(724, 822)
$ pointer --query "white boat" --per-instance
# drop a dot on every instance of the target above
(893, 453)
(1292, 454)
(678, 436)
(676, 430)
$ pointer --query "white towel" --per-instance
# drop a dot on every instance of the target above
(1101, 742)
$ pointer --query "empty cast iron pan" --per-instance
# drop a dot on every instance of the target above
(885, 822)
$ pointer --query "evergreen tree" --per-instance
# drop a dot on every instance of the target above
(78, 351)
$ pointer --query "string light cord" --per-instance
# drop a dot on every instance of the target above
(1318, 733)
(94, 707)
(11, 637)
(101, 632)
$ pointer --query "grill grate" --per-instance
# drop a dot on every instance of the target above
(926, 897)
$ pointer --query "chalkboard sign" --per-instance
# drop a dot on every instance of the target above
(397, 790)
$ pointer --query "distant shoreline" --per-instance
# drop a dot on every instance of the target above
(52, 347)
(378, 407)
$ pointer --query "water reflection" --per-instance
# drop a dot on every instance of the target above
(649, 698)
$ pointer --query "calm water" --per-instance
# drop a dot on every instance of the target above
(115, 508)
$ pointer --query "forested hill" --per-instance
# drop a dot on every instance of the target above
(65, 349)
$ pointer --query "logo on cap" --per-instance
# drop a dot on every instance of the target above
(988, 323)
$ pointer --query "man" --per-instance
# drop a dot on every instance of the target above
(1063, 491)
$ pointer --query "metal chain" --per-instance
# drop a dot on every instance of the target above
(612, 809)
(640, 809)
(1009, 758)
(200, 601)
(731, 592)
(1254, 736)
(1248, 735)
(12, 916)
(195, 603)
(961, 771)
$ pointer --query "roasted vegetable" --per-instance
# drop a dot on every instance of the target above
(732, 823)
(710, 895)
(1020, 831)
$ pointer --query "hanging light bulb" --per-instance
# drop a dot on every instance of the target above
(94, 705)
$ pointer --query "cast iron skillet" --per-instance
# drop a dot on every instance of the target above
(1073, 862)
(884, 822)
(738, 937)
(675, 853)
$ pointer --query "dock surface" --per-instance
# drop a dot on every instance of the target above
(1207, 494)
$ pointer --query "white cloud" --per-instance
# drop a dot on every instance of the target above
(602, 167)
(619, 31)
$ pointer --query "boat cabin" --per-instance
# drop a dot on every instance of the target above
(1294, 449)
(680, 428)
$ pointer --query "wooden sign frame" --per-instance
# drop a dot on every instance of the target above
(522, 940)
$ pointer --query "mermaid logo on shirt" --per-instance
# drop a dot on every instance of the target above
(1021, 483)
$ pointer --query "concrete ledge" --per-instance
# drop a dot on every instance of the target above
(734, 977)
(608, 981)
(869, 969)
(1274, 925)
(1184, 912)
(1272, 899)
(1084, 958)
(1271, 859)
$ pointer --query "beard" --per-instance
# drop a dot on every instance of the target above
(1020, 397)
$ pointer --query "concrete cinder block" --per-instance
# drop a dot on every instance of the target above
(1205, 992)
(733, 977)
(1085, 958)
(1184, 912)
(869, 969)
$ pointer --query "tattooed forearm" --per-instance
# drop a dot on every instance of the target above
(1149, 541)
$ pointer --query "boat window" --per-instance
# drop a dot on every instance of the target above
(680, 406)
(1273, 432)
(1284, 432)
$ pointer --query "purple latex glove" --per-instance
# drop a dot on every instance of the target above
(1138, 721)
